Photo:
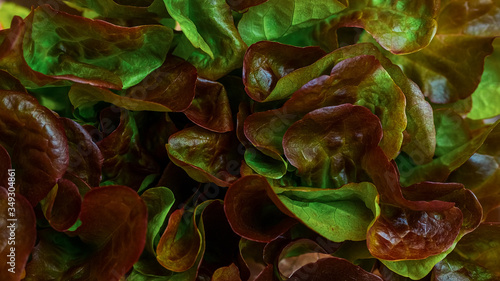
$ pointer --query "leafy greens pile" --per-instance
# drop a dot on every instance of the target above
(257, 140)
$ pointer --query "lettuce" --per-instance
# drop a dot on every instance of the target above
(255, 140)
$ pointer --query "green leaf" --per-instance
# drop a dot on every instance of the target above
(450, 68)
(417, 269)
(205, 155)
(55, 47)
(265, 165)
(159, 200)
(440, 168)
(277, 18)
(474, 258)
(401, 27)
(336, 214)
(451, 131)
(220, 48)
(486, 98)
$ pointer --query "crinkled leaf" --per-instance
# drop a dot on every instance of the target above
(220, 48)
(35, 140)
(23, 224)
(336, 214)
(114, 223)
(332, 269)
(360, 80)
(409, 226)
(277, 18)
(210, 108)
(250, 211)
(330, 156)
(228, 273)
(158, 200)
(267, 62)
(407, 234)
(474, 258)
(171, 87)
(419, 113)
(440, 168)
(125, 160)
(85, 158)
(62, 205)
(96, 51)
(485, 101)
(402, 26)
(206, 156)
(451, 192)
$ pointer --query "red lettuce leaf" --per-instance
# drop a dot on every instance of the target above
(351, 81)
(420, 128)
(210, 108)
(181, 242)
(267, 62)
(101, 56)
(121, 55)
(330, 156)
(251, 213)
(35, 139)
(170, 87)
(62, 205)
(85, 158)
(174, 244)
(419, 221)
(22, 223)
(205, 155)
(114, 224)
